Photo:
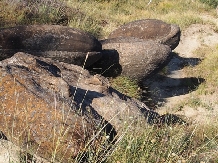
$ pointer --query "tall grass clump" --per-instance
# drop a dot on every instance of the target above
(33, 12)
(110, 14)
(100, 17)
(208, 69)
(188, 144)
(8, 16)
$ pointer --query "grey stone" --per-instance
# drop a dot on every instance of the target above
(52, 41)
(138, 58)
(150, 29)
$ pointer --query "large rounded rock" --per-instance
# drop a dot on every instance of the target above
(139, 58)
(60, 43)
(57, 107)
(150, 29)
(37, 111)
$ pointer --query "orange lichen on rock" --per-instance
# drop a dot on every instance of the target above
(49, 126)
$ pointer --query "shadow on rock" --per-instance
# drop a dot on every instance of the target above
(83, 99)
(152, 117)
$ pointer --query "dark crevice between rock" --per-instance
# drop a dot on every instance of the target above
(108, 65)
(50, 68)
(2, 136)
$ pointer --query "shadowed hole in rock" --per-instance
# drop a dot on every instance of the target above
(108, 65)
(2, 136)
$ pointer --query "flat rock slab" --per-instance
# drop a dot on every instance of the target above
(150, 29)
(58, 42)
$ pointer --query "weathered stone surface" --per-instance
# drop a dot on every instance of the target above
(76, 58)
(150, 29)
(36, 108)
(58, 107)
(63, 43)
(138, 58)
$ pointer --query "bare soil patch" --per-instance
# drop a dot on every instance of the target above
(172, 86)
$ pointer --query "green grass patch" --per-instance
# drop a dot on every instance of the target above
(206, 93)
(207, 69)
(126, 86)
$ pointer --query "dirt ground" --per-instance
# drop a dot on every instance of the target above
(171, 88)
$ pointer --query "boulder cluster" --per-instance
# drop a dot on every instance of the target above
(50, 102)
